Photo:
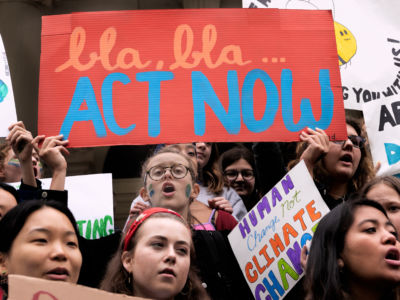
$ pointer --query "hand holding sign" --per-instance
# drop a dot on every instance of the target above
(20, 140)
(220, 203)
(52, 152)
(318, 146)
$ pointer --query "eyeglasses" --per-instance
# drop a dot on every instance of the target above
(356, 140)
(177, 171)
(247, 174)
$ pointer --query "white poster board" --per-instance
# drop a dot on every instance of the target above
(267, 242)
(382, 118)
(8, 113)
(366, 33)
(90, 198)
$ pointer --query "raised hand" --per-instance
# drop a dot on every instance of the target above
(52, 152)
(318, 146)
(220, 203)
(20, 140)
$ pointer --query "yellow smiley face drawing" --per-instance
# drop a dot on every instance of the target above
(345, 42)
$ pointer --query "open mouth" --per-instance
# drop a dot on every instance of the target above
(58, 274)
(168, 271)
(392, 257)
(168, 188)
(347, 158)
(392, 254)
(35, 172)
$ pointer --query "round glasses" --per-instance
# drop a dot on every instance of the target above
(177, 171)
(247, 174)
(356, 140)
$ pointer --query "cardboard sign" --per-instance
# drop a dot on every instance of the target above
(267, 242)
(176, 76)
(29, 288)
(366, 32)
(90, 198)
(8, 114)
(382, 119)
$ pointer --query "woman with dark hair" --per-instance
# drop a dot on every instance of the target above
(159, 238)
(386, 191)
(40, 239)
(212, 190)
(355, 254)
(339, 168)
(8, 198)
(238, 167)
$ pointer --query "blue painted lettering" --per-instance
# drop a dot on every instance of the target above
(154, 78)
(255, 238)
(272, 104)
(202, 92)
(108, 110)
(274, 286)
(83, 91)
(307, 118)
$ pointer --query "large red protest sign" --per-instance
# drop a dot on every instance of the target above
(143, 77)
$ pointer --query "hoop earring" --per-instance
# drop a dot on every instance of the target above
(188, 287)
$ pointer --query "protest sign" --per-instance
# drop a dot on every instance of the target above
(8, 113)
(90, 198)
(366, 32)
(168, 76)
(267, 242)
(382, 119)
(29, 288)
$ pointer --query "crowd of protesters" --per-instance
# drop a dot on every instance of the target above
(174, 244)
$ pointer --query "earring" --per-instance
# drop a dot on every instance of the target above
(128, 279)
(3, 278)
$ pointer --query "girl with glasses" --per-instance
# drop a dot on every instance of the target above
(212, 190)
(170, 182)
(238, 167)
(338, 168)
